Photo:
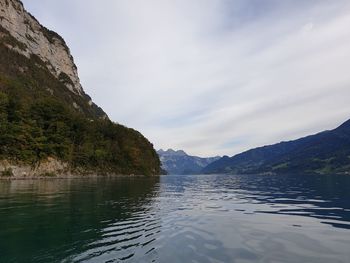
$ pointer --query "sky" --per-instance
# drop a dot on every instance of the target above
(211, 77)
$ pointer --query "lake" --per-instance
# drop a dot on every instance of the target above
(201, 218)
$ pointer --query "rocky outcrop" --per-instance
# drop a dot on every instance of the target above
(38, 40)
(49, 167)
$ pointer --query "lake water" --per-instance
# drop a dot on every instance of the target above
(204, 218)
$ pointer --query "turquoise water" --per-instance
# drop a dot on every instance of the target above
(204, 218)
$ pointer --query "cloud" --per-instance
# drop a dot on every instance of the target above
(211, 76)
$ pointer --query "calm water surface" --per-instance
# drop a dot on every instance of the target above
(207, 218)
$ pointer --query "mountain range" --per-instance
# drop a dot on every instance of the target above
(327, 152)
(50, 126)
(179, 162)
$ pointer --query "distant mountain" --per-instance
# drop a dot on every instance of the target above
(178, 162)
(327, 152)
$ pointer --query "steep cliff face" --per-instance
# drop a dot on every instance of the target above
(48, 125)
(44, 49)
(38, 40)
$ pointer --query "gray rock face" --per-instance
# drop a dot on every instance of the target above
(178, 162)
(49, 166)
(38, 40)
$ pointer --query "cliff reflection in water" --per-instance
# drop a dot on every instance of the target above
(74, 220)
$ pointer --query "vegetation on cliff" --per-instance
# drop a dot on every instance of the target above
(41, 118)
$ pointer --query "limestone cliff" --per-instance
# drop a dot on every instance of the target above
(48, 125)
(38, 40)
(33, 40)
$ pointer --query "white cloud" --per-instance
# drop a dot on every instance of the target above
(211, 76)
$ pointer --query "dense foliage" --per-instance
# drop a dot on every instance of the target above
(41, 118)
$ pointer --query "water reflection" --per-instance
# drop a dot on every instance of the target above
(256, 218)
(56, 220)
(323, 197)
(207, 218)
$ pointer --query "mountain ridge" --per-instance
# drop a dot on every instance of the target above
(322, 153)
(179, 162)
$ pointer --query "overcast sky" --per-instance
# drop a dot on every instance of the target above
(211, 77)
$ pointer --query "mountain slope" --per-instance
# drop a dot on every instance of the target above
(47, 122)
(178, 162)
(324, 153)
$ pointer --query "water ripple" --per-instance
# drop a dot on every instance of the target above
(204, 218)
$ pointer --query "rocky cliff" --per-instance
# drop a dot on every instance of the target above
(47, 122)
(25, 35)
(40, 41)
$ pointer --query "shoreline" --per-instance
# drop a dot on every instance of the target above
(17, 178)
(55, 169)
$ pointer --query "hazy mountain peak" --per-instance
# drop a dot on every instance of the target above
(179, 162)
(171, 152)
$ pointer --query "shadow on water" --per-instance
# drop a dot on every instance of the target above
(75, 220)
